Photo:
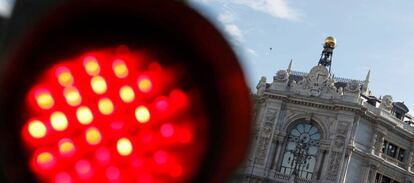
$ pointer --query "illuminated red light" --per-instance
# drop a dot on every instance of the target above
(37, 129)
(167, 130)
(110, 117)
(83, 169)
(66, 147)
(112, 173)
(144, 84)
(45, 160)
(63, 177)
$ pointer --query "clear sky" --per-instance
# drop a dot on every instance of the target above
(376, 35)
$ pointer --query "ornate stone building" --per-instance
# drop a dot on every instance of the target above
(317, 128)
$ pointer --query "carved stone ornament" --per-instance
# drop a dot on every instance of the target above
(339, 142)
(263, 145)
(266, 131)
(317, 83)
(386, 102)
(341, 91)
(353, 86)
(333, 169)
(261, 86)
(342, 128)
(317, 79)
(281, 76)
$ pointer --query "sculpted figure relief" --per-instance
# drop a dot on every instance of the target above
(317, 79)
(281, 75)
(261, 86)
(386, 102)
(353, 86)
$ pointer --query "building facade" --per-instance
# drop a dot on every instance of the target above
(316, 128)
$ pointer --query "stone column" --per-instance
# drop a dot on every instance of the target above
(319, 164)
(365, 175)
(279, 147)
(372, 173)
(279, 159)
(271, 156)
(345, 165)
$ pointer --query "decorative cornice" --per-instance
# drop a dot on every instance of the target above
(335, 105)
(316, 104)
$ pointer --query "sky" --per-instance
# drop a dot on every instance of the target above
(6, 7)
(376, 35)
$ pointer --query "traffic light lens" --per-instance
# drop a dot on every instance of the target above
(107, 116)
(44, 99)
(37, 129)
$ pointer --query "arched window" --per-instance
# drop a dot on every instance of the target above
(301, 149)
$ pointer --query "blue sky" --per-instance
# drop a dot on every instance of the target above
(376, 35)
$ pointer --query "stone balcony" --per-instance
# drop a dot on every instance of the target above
(271, 175)
(388, 117)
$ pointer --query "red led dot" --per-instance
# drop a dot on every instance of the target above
(91, 66)
(66, 147)
(84, 115)
(45, 160)
(179, 98)
(63, 177)
(83, 168)
(112, 173)
(98, 85)
(44, 99)
(124, 146)
(127, 94)
(162, 105)
(185, 136)
(93, 136)
(167, 130)
(72, 96)
(120, 69)
(59, 121)
(160, 157)
(117, 125)
(142, 114)
(37, 129)
(64, 76)
(144, 84)
(105, 106)
(103, 155)
(176, 171)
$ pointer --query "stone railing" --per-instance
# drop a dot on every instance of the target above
(281, 176)
(393, 160)
(285, 178)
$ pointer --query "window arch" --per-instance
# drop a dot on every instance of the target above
(301, 148)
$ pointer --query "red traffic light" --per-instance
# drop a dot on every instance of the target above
(114, 115)
(124, 92)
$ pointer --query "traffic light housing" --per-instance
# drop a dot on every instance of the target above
(164, 51)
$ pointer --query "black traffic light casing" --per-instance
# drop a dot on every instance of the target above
(170, 30)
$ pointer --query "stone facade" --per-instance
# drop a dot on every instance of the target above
(361, 140)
